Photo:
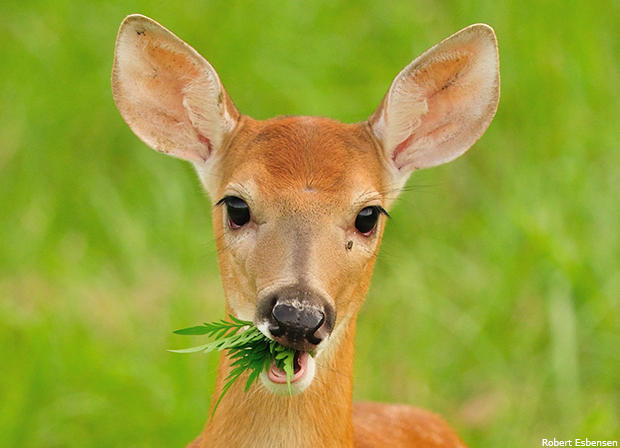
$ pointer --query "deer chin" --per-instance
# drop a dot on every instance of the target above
(274, 379)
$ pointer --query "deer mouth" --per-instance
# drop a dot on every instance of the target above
(300, 364)
(275, 380)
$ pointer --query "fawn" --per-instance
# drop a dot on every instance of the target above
(300, 210)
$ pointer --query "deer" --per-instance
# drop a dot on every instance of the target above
(300, 206)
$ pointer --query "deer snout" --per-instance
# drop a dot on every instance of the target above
(297, 318)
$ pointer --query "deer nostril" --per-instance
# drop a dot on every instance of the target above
(284, 315)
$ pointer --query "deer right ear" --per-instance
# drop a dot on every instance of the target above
(440, 104)
(168, 94)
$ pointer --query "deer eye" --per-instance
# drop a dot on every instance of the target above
(367, 219)
(237, 210)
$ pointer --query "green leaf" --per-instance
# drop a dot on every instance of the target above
(254, 374)
(199, 330)
(282, 355)
(190, 350)
(249, 351)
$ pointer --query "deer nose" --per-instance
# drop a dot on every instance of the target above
(296, 316)
(298, 324)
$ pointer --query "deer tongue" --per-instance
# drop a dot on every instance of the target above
(278, 376)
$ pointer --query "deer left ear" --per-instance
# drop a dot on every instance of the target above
(440, 104)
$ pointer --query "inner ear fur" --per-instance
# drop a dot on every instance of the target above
(168, 94)
(441, 103)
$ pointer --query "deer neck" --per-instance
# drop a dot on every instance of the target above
(320, 416)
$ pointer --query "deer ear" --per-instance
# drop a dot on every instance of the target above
(168, 94)
(441, 103)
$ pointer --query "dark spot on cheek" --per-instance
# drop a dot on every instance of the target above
(349, 245)
(141, 32)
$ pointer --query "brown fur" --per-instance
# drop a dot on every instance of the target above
(259, 418)
(399, 426)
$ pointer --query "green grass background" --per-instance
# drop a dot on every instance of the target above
(496, 298)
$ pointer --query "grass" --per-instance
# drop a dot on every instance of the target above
(497, 292)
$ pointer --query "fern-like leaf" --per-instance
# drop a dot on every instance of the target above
(249, 350)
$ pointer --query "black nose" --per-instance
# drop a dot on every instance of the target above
(296, 316)
(298, 323)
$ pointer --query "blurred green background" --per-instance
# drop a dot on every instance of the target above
(496, 299)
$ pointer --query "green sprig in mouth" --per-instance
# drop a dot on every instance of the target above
(248, 350)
